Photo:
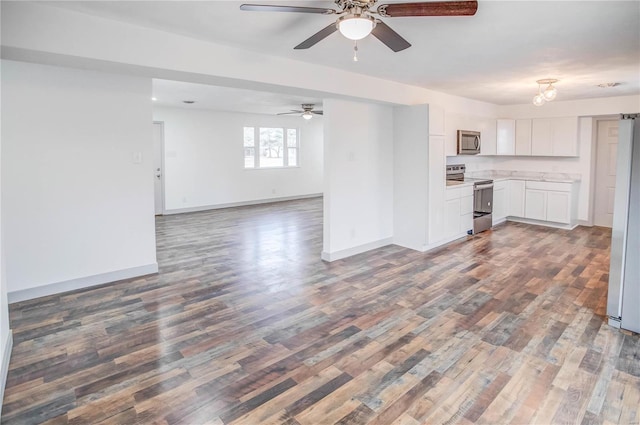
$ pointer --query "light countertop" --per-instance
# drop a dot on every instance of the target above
(498, 175)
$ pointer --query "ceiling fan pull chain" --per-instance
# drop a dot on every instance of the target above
(355, 51)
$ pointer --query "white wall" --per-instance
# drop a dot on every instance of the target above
(5, 335)
(358, 175)
(204, 162)
(76, 208)
(411, 175)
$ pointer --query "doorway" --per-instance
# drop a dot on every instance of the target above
(605, 184)
(158, 166)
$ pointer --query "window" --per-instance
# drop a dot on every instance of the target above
(266, 147)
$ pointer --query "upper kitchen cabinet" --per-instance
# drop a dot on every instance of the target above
(554, 136)
(506, 137)
(453, 123)
(436, 120)
(488, 138)
(523, 137)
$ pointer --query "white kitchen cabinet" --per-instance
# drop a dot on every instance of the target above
(466, 214)
(499, 202)
(458, 211)
(523, 137)
(549, 201)
(506, 137)
(542, 137)
(488, 136)
(565, 136)
(515, 198)
(452, 123)
(559, 207)
(436, 120)
(452, 217)
(554, 136)
(535, 204)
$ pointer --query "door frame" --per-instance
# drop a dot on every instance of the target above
(162, 201)
(594, 157)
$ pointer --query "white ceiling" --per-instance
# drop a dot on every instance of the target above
(494, 56)
(174, 93)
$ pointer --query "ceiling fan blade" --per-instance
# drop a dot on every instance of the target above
(434, 8)
(317, 112)
(317, 37)
(290, 113)
(298, 9)
(389, 37)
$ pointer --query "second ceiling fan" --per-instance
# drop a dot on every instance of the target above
(358, 18)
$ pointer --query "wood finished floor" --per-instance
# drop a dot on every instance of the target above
(245, 325)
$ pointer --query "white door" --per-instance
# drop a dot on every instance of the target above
(158, 142)
(606, 154)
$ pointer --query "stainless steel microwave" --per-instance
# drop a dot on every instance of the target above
(468, 142)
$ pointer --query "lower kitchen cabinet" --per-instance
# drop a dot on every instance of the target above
(466, 214)
(452, 217)
(458, 211)
(559, 207)
(515, 197)
(535, 204)
(500, 201)
(549, 201)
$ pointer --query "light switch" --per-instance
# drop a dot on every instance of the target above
(137, 157)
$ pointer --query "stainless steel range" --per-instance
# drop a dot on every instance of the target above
(482, 196)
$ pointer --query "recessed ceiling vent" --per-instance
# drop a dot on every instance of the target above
(608, 85)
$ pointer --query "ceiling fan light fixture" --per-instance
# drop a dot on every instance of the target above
(307, 115)
(356, 27)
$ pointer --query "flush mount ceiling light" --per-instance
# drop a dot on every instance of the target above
(356, 27)
(549, 93)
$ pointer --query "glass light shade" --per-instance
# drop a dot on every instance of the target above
(307, 115)
(550, 93)
(355, 28)
(538, 99)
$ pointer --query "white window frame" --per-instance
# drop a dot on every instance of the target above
(285, 154)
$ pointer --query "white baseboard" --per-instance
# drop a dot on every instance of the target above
(344, 253)
(543, 223)
(239, 204)
(80, 283)
(443, 242)
(585, 223)
(4, 368)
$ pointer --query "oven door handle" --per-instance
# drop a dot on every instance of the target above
(483, 186)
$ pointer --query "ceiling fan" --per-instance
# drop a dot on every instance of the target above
(307, 111)
(358, 18)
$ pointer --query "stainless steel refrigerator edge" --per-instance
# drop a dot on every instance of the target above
(623, 302)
